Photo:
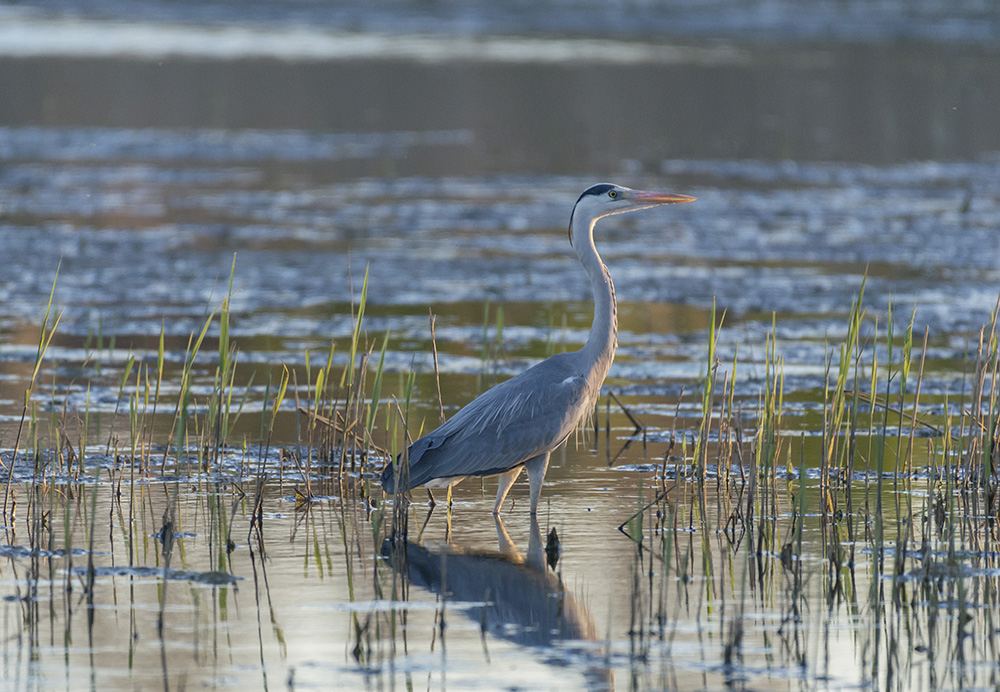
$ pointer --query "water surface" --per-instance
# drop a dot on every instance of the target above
(439, 150)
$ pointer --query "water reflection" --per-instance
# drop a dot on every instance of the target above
(522, 600)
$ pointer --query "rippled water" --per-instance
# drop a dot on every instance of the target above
(963, 20)
(144, 225)
(439, 149)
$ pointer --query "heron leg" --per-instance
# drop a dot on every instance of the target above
(507, 479)
(537, 466)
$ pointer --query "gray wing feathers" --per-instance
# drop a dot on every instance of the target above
(518, 419)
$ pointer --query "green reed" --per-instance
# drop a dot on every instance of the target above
(925, 560)
(44, 341)
(882, 446)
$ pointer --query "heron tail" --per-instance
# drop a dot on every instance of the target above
(388, 479)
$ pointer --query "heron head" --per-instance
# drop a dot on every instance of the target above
(605, 199)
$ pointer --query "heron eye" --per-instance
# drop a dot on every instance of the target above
(613, 193)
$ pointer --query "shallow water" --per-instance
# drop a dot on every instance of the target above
(316, 601)
(440, 149)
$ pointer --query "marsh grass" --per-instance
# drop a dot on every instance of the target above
(922, 533)
(865, 520)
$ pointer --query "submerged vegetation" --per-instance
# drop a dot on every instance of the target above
(856, 546)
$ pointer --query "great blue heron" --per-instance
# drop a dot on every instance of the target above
(519, 423)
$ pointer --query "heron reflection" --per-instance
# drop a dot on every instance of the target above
(522, 600)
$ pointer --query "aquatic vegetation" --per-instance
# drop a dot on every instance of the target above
(758, 546)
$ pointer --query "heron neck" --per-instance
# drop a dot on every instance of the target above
(603, 338)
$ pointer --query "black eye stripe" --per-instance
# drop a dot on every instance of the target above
(597, 190)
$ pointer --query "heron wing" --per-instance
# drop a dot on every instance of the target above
(521, 418)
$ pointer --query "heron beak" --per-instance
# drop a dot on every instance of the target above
(652, 198)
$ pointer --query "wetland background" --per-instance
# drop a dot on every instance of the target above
(179, 517)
